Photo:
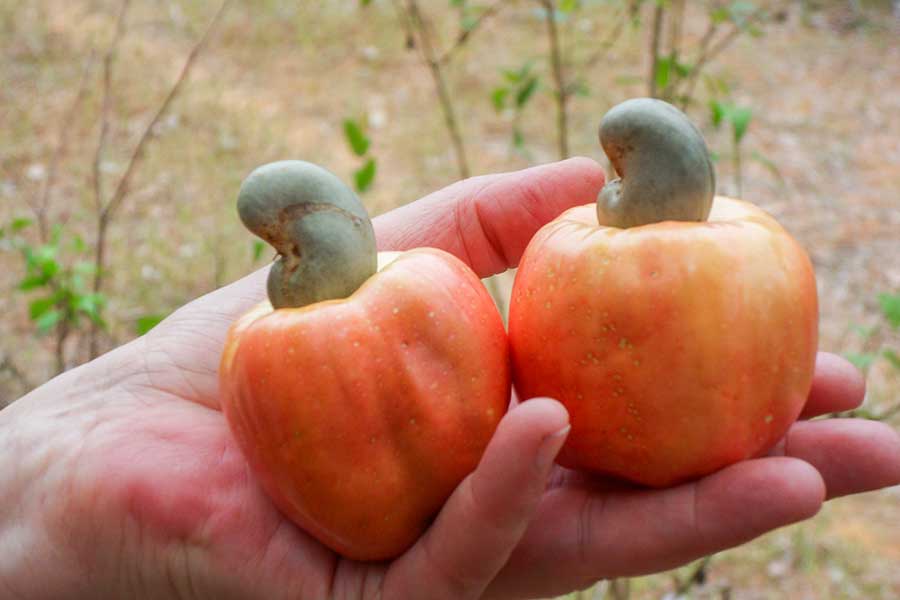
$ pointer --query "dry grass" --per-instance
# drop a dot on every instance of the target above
(278, 79)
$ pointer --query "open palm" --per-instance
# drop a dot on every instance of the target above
(137, 489)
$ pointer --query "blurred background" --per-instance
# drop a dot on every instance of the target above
(127, 126)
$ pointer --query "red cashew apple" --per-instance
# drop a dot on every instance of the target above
(678, 329)
(366, 396)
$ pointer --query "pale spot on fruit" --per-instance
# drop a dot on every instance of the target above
(431, 314)
(412, 421)
(489, 412)
(637, 363)
(769, 418)
(624, 343)
(547, 304)
(395, 310)
(654, 274)
(355, 344)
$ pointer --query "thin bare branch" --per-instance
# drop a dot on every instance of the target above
(559, 79)
(656, 34)
(108, 61)
(8, 366)
(121, 191)
(418, 29)
(620, 20)
(62, 143)
(122, 188)
(709, 50)
(466, 34)
(696, 577)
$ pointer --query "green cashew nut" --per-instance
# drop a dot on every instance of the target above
(664, 169)
(323, 235)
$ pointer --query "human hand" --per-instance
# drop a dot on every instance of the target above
(125, 481)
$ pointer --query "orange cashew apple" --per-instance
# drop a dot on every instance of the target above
(366, 396)
(678, 328)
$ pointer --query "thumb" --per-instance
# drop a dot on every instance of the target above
(486, 516)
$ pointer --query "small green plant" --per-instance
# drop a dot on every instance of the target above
(738, 119)
(57, 281)
(875, 351)
(514, 92)
(360, 143)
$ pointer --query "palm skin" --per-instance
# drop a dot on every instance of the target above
(125, 481)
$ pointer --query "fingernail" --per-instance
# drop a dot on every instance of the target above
(550, 448)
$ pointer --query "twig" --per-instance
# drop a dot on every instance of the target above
(610, 40)
(121, 191)
(676, 19)
(465, 34)
(658, 12)
(696, 577)
(108, 60)
(417, 30)
(62, 144)
(8, 366)
(709, 51)
(562, 91)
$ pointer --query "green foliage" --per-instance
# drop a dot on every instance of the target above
(360, 144)
(55, 278)
(356, 139)
(257, 249)
(890, 312)
(890, 307)
(738, 117)
(516, 90)
(365, 175)
(146, 323)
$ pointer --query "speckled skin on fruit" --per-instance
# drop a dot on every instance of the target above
(677, 347)
(360, 416)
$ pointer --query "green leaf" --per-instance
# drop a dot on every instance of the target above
(258, 247)
(78, 244)
(146, 323)
(892, 357)
(740, 120)
(663, 70)
(20, 224)
(526, 92)
(682, 69)
(37, 308)
(357, 140)
(364, 176)
(862, 360)
(567, 6)
(33, 282)
(719, 15)
(717, 111)
(48, 320)
(890, 307)
(365, 2)
(515, 76)
(498, 98)
(89, 304)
